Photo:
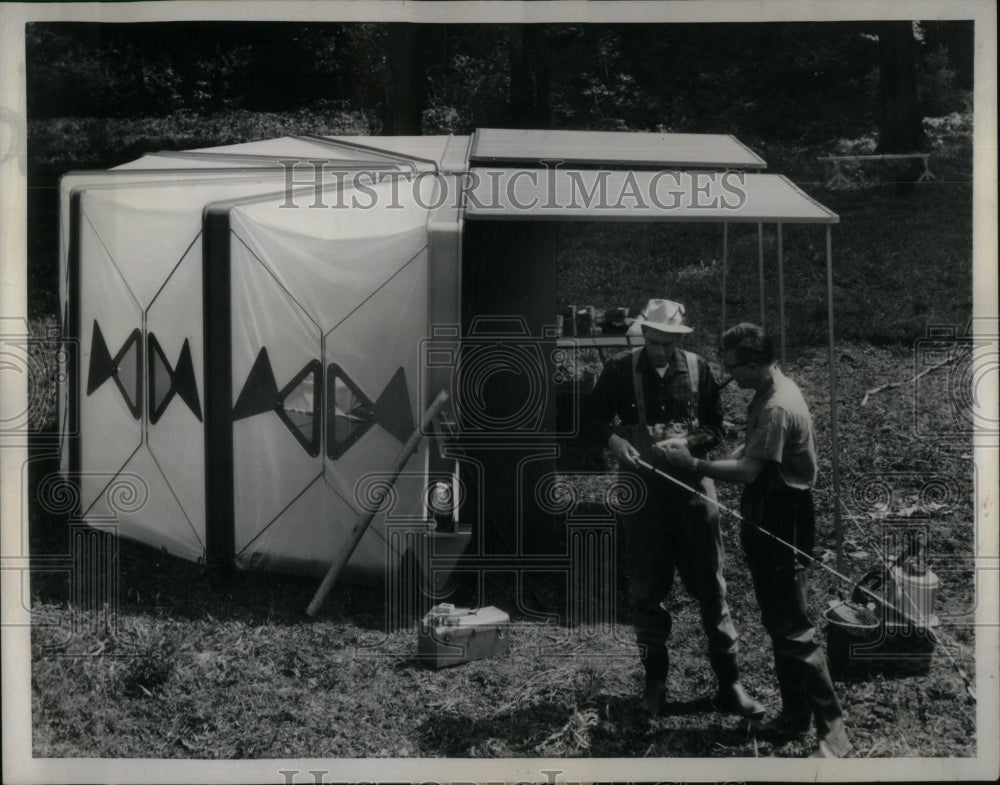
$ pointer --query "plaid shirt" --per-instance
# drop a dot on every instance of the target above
(667, 400)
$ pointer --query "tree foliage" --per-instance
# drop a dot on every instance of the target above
(796, 82)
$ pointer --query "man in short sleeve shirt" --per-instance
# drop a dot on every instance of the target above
(777, 465)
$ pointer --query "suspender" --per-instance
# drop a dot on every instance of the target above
(691, 359)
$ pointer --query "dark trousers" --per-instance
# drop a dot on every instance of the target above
(780, 583)
(674, 528)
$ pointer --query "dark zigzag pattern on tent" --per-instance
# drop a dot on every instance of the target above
(347, 421)
(103, 367)
(260, 394)
(180, 380)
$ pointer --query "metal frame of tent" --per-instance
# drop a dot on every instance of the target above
(771, 199)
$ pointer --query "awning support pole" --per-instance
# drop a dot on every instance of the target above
(725, 266)
(760, 265)
(781, 295)
(834, 443)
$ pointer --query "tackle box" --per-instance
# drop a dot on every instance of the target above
(451, 636)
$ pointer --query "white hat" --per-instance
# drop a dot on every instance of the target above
(663, 315)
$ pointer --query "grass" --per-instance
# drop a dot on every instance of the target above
(182, 666)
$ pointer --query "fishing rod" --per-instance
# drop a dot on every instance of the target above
(864, 589)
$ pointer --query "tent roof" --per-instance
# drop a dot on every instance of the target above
(450, 153)
(297, 146)
(603, 195)
(575, 148)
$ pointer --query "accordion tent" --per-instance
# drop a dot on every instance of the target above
(257, 325)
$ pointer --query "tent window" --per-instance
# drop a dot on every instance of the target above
(349, 412)
(298, 407)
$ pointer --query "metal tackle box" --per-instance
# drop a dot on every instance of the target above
(451, 636)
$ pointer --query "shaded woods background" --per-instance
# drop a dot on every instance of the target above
(102, 94)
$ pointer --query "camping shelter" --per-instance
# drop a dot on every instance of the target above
(261, 326)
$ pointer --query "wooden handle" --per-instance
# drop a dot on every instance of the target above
(364, 522)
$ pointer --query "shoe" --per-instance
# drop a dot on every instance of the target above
(654, 697)
(734, 699)
(784, 727)
(827, 750)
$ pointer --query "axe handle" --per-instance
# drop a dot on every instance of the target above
(364, 522)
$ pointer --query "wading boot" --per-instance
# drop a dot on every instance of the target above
(784, 727)
(656, 663)
(654, 697)
(734, 699)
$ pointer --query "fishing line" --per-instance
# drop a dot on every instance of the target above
(864, 589)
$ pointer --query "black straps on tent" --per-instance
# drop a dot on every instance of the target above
(125, 368)
(166, 381)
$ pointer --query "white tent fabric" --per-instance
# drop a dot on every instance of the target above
(346, 288)
(153, 289)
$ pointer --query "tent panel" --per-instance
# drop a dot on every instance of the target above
(507, 145)
(265, 316)
(605, 195)
(110, 431)
(378, 348)
(145, 508)
(330, 277)
(175, 382)
(286, 545)
(273, 343)
(270, 471)
(145, 235)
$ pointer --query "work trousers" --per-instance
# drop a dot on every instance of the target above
(780, 583)
(676, 528)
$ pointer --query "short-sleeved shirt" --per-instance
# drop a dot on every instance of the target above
(780, 429)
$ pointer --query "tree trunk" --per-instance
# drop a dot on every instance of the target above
(530, 105)
(405, 92)
(902, 129)
(901, 116)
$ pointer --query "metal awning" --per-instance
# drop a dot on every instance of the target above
(612, 148)
(630, 195)
(519, 195)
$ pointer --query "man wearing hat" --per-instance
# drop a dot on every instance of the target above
(651, 395)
